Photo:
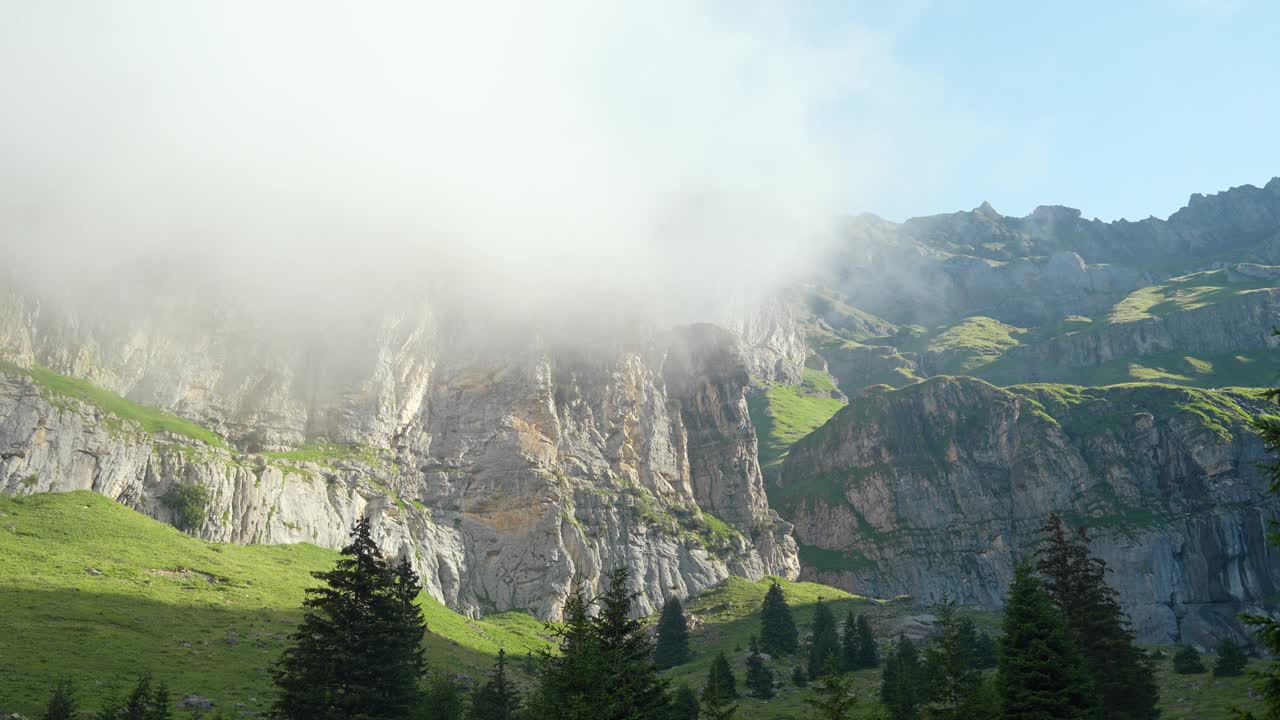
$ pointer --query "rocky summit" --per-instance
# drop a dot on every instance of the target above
(898, 423)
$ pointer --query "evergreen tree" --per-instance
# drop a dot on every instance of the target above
(684, 704)
(1123, 675)
(1268, 628)
(849, 642)
(160, 703)
(799, 676)
(721, 683)
(358, 651)
(1041, 675)
(497, 699)
(823, 642)
(672, 648)
(984, 652)
(1187, 661)
(868, 649)
(605, 667)
(953, 683)
(778, 635)
(1231, 659)
(62, 701)
(834, 697)
(902, 686)
(443, 699)
(138, 705)
(759, 679)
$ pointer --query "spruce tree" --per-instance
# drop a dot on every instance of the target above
(160, 702)
(62, 702)
(721, 683)
(1268, 628)
(984, 651)
(497, 699)
(834, 699)
(778, 635)
(442, 699)
(799, 676)
(684, 704)
(358, 651)
(868, 648)
(1187, 661)
(902, 684)
(138, 704)
(823, 641)
(605, 669)
(1231, 659)
(1123, 675)
(672, 648)
(1040, 674)
(953, 683)
(849, 642)
(759, 680)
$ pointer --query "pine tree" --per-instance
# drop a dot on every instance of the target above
(834, 697)
(1268, 628)
(868, 649)
(759, 680)
(902, 686)
(778, 635)
(684, 704)
(1231, 659)
(160, 703)
(497, 699)
(1041, 675)
(62, 701)
(953, 683)
(849, 642)
(672, 648)
(1123, 675)
(358, 651)
(1187, 661)
(605, 666)
(721, 683)
(823, 642)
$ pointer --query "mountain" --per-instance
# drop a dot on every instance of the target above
(506, 453)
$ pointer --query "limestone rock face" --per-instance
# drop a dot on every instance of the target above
(502, 472)
(937, 489)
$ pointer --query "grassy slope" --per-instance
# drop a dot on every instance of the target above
(208, 618)
(782, 414)
(1182, 293)
(975, 342)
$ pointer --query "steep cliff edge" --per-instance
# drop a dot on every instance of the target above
(938, 488)
(504, 473)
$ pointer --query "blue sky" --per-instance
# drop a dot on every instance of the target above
(1122, 109)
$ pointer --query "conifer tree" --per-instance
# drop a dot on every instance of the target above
(984, 651)
(160, 702)
(137, 706)
(497, 699)
(62, 701)
(1040, 675)
(721, 683)
(823, 642)
(759, 680)
(799, 676)
(868, 648)
(953, 683)
(672, 648)
(1268, 628)
(605, 668)
(1123, 675)
(902, 684)
(442, 699)
(1187, 661)
(1231, 659)
(358, 651)
(778, 635)
(849, 642)
(834, 697)
(684, 704)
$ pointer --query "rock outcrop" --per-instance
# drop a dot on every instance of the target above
(504, 473)
(937, 489)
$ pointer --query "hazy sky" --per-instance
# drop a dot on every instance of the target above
(658, 152)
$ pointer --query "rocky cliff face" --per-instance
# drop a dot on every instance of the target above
(937, 489)
(504, 473)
